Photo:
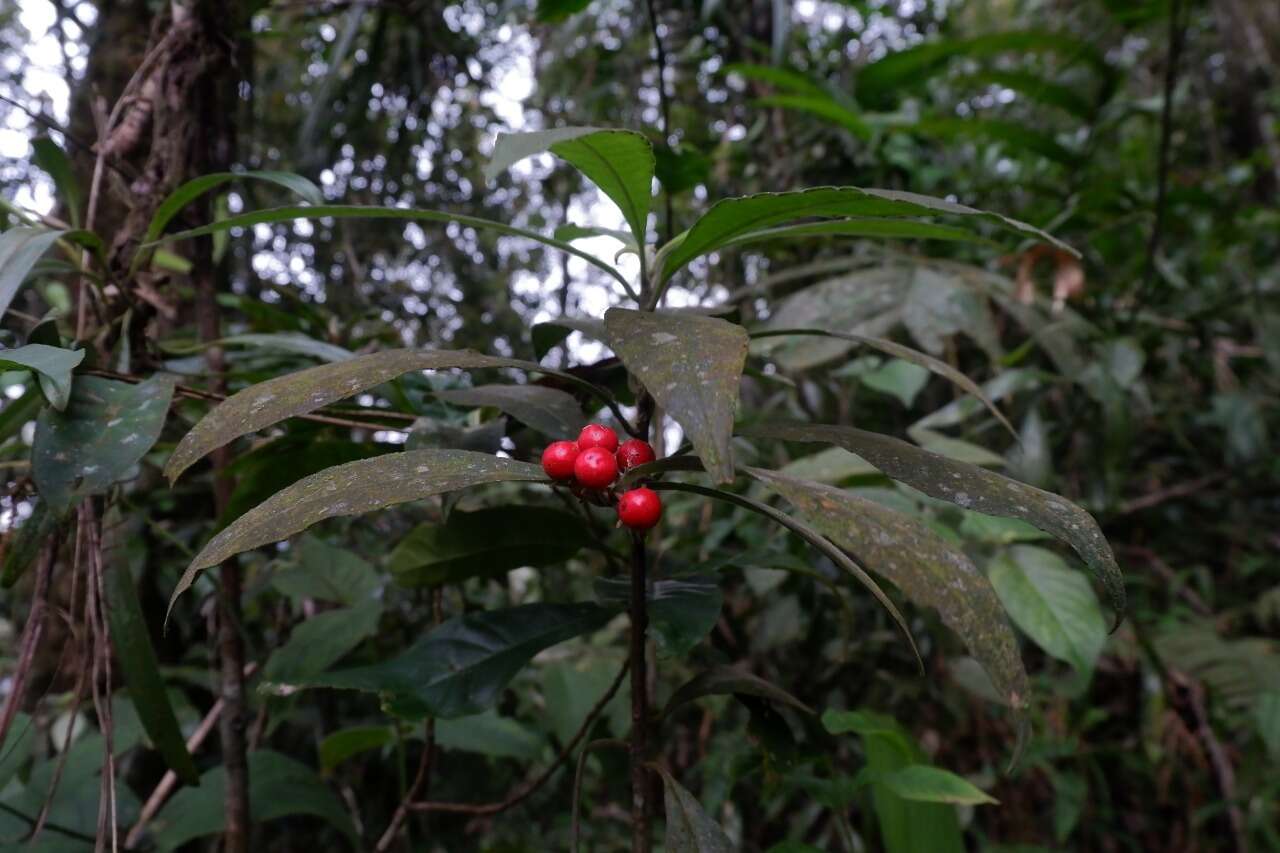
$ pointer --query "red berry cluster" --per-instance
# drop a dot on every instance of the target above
(594, 462)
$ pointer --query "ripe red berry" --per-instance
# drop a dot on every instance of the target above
(558, 459)
(597, 435)
(640, 508)
(595, 468)
(634, 452)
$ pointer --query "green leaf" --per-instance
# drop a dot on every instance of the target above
(1035, 87)
(15, 414)
(550, 411)
(692, 366)
(831, 465)
(733, 217)
(925, 784)
(348, 743)
(324, 571)
(555, 11)
(461, 667)
(321, 641)
(571, 232)
(1010, 134)
(486, 543)
(619, 162)
(51, 365)
(681, 168)
(823, 106)
(294, 342)
(681, 612)
(898, 377)
(491, 735)
(1266, 719)
(972, 488)
(106, 430)
(689, 828)
(901, 229)
(340, 211)
(259, 406)
(19, 743)
(728, 680)
(279, 786)
(783, 78)
(905, 826)
(922, 564)
(121, 545)
(813, 537)
(48, 155)
(196, 187)
(278, 464)
(24, 544)
(20, 248)
(1053, 605)
(354, 489)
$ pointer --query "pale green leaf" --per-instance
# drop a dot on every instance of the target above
(51, 365)
(925, 784)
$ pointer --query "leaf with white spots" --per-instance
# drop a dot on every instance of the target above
(922, 564)
(259, 406)
(970, 487)
(107, 428)
(354, 489)
(692, 366)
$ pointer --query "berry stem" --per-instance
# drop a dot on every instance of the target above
(641, 806)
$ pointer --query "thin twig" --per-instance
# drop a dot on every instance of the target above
(641, 833)
(1222, 769)
(523, 791)
(577, 785)
(665, 105)
(1181, 490)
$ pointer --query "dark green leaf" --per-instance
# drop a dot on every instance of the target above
(354, 489)
(106, 430)
(491, 735)
(823, 106)
(279, 786)
(682, 168)
(783, 78)
(902, 229)
(267, 403)
(461, 667)
(922, 564)
(1035, 87)
(348, 743)
(925, 784)
(51, 365)
(550, 411)
(555, 11)
(338, 211)
(321, 641)
(323, 571)
(486, 543)
(132, 642)
(15, 414)
(681, 612)
(48, 155)
(692, 366)
(24, 543)
(196, 187)
(278, 464)
(1055, 606)
(689, 828)
(1011, 134)
(619, 162)
(727, 680)
(733, 217)
(972, 488)
(20, 248)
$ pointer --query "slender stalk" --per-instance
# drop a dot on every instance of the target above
(641, 809)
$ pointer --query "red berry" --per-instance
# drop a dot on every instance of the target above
(595, 468)
(558, 459)
(597, 435)
(634, 452)
(640, 508)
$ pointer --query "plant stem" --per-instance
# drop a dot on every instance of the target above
(641, 812)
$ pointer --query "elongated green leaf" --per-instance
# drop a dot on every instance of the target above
(904, 229)
(877, 81)
(923, 783)
(323, 571)
(270, 402)
(20, 248)
(15, 414)
(823, 106)
(48, 155)
(196, 187)
(132, 641)
(972, 488)
(689, 828)
(1055, 606)
(550, 411)
(106, 430)
(19, 743)
(279, 786)
(681, 612)
(692, 366)
(1011, 134)
(322, 640)
(905, 826)
(486, 543)
(733, 217)
(348, 743)
(783, 78)
(354, 489)
(461, 667)
(922, 564)
(51, 365)
(284, 341)
(906, 354)
(24, 543)
(813, 537)
(619, 162)
(275, 465)
(340, 211)
(725, 680)
(489, 734)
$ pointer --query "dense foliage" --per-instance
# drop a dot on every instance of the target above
(953, 328)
